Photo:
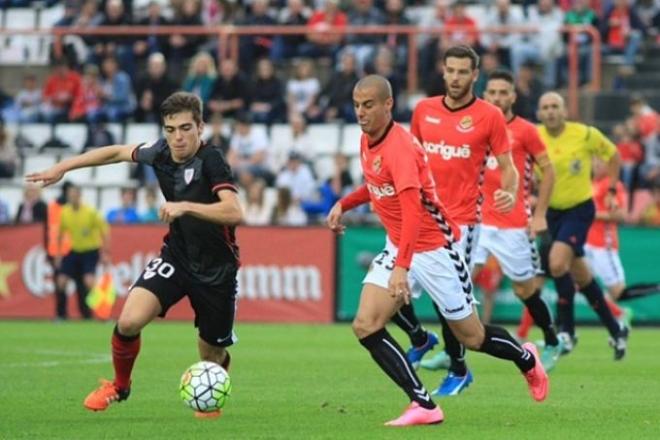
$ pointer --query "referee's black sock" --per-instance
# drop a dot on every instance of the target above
(499, 343)
(454, 349)
(639, 291)
(392, 360)
(565, 303)
(596, 298)
(407, 321)
(541, 314)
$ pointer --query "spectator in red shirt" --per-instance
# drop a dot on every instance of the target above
(645, 124)
(623, 31)
(461, 28)
(630, 151)
(87, 103)
(61, 87)
(321, 42)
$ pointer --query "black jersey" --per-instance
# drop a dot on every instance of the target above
(203, 249)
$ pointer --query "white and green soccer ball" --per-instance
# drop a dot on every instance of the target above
(205, 386)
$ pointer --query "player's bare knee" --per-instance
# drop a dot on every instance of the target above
(558, 268)
(129, 325)
(472, 341)
(524, 290)
(364, 327)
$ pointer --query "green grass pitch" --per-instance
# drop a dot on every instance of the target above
(305, 382)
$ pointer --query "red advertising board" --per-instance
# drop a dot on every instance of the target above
(287, 274)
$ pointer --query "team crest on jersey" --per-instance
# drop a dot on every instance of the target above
(465, 125)
(188, 175)
(377, 164)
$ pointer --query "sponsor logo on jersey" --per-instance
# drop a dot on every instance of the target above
(188, 174)
(379, 192)
(432, 120)
(465, 125)
(447, 151)
(377, 164)
(491, 163)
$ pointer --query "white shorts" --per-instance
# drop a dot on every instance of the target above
(469, 242)
(442, 273)
(605, 264)
(512, 248)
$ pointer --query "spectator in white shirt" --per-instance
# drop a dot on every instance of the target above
(502, 14)
(248, 150)
(258, 211)
(303, 89)
(28, 100)
(287, 210)
(544, 46)
(297, 177)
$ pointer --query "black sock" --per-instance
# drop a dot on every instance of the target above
(596, 298)
(539, 311)
(392, 360)
(499, 343)
(639, 291)
(565, 303)
(407, 321)
(453, 348)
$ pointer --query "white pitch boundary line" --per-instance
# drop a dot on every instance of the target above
(89, 358)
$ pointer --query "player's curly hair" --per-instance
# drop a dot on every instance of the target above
(180, 102)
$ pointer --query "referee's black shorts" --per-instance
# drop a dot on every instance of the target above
(571, 226)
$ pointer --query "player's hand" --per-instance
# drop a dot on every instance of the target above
(610, 202)
(170, 211)
(334, 219)
(537, 226)
(46, 178)
(398, 284)
(504, 200)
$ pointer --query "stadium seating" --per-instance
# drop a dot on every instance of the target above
(114, 174)
(350, 140)
(72, 134)
(37, 134)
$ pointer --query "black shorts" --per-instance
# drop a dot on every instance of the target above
(77, 264)
(214, 305)
(571, 226)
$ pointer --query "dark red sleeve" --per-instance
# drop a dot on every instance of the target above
(411, 207)
(356, 198)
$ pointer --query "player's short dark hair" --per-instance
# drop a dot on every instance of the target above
(180, 102)
(462, 51)
(502, 74)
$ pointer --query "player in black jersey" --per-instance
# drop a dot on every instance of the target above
(199, 257)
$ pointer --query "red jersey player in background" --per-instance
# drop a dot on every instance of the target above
(458, 131)
(420, 253)
(509, 237)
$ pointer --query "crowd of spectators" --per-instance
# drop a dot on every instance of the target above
(118, 78)
(308, 79)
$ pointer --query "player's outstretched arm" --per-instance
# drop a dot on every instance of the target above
(358, 197)
(98, 156)
(226, 212)
(505, 197)
(547, 183)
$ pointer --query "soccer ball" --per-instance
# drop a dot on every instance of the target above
(205, 386)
